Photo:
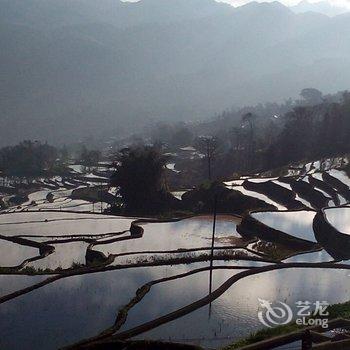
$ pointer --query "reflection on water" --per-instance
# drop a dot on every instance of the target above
(298, 223)
(11, 283)
(46, 223)
(258, 196)
(71, 309)
(64, 256)
(340, 175)
(320, 256)
(339, 218)
(13, 254)
(79, 307)
(178, 194)
(335, 243)
(189, 233)
(39, 196)
(234, 314)
(172, 295)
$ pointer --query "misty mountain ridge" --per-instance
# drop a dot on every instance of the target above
(115, 12)
(323, 7)
(74, 69)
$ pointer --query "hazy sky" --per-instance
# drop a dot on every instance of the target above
(340, 3)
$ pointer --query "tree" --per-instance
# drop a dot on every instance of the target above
(29, 160)
(208, 145)
(312, 96)
(89, 158)
(139, 177)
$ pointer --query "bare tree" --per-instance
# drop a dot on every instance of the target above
(208, 145)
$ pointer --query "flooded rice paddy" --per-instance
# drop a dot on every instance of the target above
(295, 223)
(66, 275)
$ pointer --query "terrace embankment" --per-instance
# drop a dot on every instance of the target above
(324, 186)
(305, 190)
(337, 184)
(250, 227)
(275, 192)
(93, 194)
(336, 243)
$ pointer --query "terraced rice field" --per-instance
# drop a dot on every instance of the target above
(68, 276)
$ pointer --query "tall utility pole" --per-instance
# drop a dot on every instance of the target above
(212, 250)
(101, 195)
(209, 158)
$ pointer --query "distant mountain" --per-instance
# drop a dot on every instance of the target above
(323, 7)
(58, 13)
(71, 69)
